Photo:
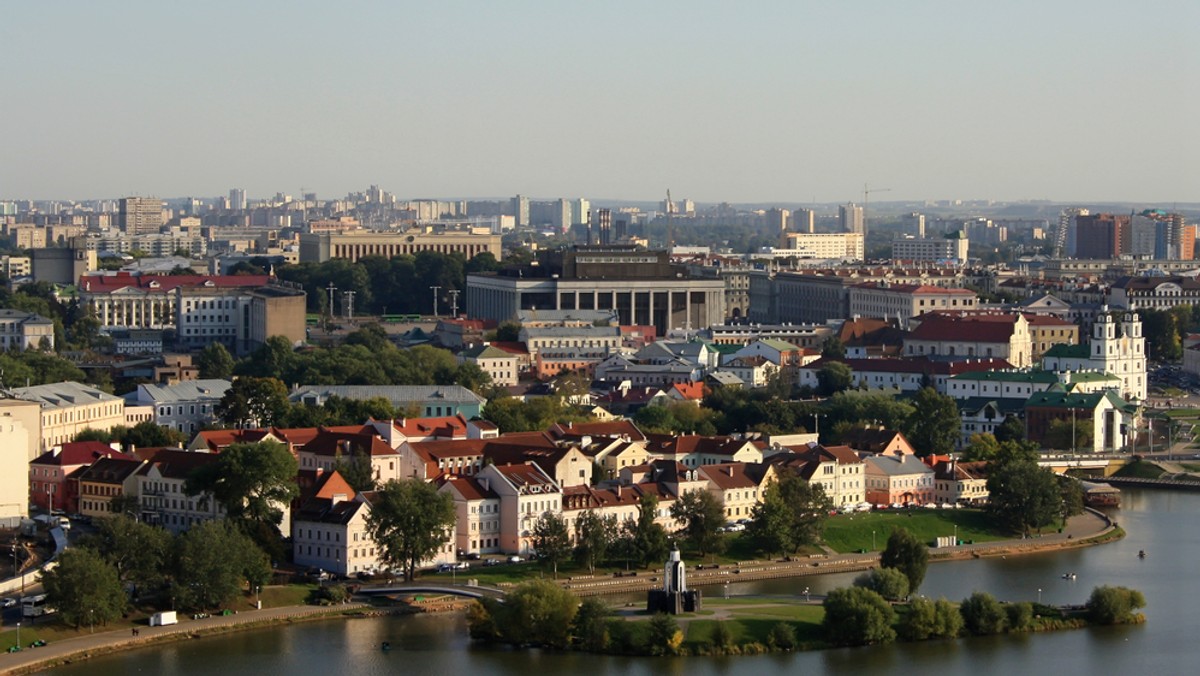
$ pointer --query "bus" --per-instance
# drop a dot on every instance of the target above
(397, 319)
(35, 606)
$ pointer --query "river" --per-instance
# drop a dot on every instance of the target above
(1162, 523)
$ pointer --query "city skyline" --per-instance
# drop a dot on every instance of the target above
(767, 104)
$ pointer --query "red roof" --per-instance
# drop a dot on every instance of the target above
(615, 428)
(447, 426)
(916, 289)
(916, 365)
(167, 283)
(510, 346)
(690, 391)
(973, 328)
(79, 453)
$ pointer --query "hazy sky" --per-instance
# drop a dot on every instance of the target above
(739, 101)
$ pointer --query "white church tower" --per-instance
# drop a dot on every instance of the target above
(1120, 349)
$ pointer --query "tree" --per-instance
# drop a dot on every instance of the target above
(934, 425)
(147, 434)
(410, 521)
(84, 588)
(857, 616)
(702, 516)
(538, 612)
(551, 540)
(1012, 429)
(926, 619)
(790, 515)
(1114, 605)
(252, 481)
(1072, 496)
(509, 332)
(1021, 495)
(663, 636)
(908, 555)
(137, 551)
(833, 348)
(782, 637)
(214, 361)
(834, 377)
(356, 470)
(1020, 616)
(982, 446)
(1069, 434)
(770, 524)
(983, 615)
(253, 402)
(594, 536)
(889, 583)
(649, 538)
(590, 627)
(214, 561)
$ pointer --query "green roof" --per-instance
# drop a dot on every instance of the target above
(781, 345)
(1067, 351)
(1091, 377)
(1010, 376)
(1075, 400)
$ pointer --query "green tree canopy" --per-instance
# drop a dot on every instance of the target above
(214, 561)
(252, 481)
(1021, 495)
(1114, 605)
(139, 552)
(934, 425)
(551, 540)
(889, 583)
(834, 377)
(594, 536)
(907, 554)
(410, 521)
(702, 516)
(649, 538)
(983, 615)
(537, 612)
(254, 402)
(214, 361)
(85, 588)
(982, 446)
(857, 616)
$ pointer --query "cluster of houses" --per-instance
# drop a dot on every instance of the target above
(500, 484)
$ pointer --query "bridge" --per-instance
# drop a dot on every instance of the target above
(468, 591)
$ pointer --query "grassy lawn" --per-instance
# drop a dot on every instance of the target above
(1140, 470)
(1190, 466)
(756, 623)
(1182, 413)
(287, 595)
(851, 532)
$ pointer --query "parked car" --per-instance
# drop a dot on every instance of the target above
(515, 559)
(491, 562)
(10, 602)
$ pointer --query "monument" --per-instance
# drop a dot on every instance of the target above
(674, 597)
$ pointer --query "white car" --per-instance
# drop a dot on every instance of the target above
(10, 602)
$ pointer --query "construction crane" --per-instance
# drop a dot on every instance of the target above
(867, 190)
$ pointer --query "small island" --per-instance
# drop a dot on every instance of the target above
(882, 606)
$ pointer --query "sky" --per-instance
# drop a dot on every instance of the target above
(789, 101)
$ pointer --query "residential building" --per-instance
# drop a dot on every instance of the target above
(959, 483)
(695, 451)
(526, 493)
(592, 337)
(1102, 235)
(898, 480)
(68, 408)
(331, 445)
(105, 480)
(836, 469)
(140, 215)
(50, 485)
(908, 374)
(500, 365)
(161, 490)
(29, 414)
(477, 513)
(984, 415)
(851, 218)
(1154, 293)
(185, 407)
(832, 246)
(738, 486)
(25, 331)
(1046, 331)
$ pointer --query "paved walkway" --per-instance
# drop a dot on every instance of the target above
(106, 640)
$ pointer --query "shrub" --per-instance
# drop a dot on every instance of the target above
(620, 637)
(921, 621)
(857, 616)
(1114, 605)
(890, 583)
(782, 637)
(590, 627)
(1020, 616)
(982, 614)
(906, 553)
(949, 620)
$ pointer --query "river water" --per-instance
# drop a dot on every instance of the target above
(1160, 522)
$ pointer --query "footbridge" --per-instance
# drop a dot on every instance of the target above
(466, 590)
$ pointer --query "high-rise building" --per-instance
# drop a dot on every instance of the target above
(1102, 236)
(1065, 236)
(581, 210)
(237, 199)
(140, 215)
(520, 207)
(851, 218)
(804, 220)
(777, 220)
(914, 224)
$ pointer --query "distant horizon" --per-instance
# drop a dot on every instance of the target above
(741, 103)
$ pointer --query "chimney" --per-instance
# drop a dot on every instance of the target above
(729, 469)
(618, 491)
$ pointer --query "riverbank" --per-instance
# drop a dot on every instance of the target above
(1085, 530)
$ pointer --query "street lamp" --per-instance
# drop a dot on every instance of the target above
(1039, 595)
(806, 599)
(872, 540)
(18, 635)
